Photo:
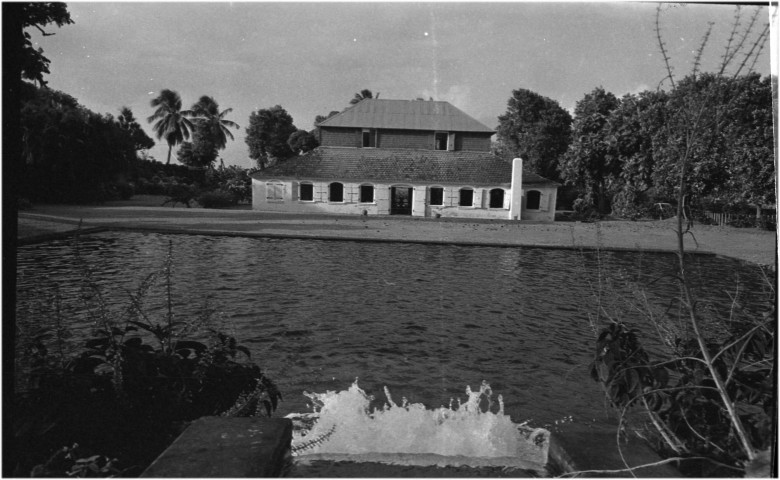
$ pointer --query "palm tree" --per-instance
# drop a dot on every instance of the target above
(172, 123)
(213, 122)
(362, 95)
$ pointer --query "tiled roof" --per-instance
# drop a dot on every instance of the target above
(406, 115)
(398, 165)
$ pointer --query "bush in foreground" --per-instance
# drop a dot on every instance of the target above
(113, 407)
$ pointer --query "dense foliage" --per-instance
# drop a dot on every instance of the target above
(38, 15)
(209, 136)
(127, 392)
(71, 153)
(625, 153)
(267, 135)
(536, 129)
(588, 163)
(679, 396)
(302, 142)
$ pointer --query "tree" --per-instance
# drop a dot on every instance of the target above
(172, 123)
(267, 135)
(750, 138)
(536, 129)
(630, 131)
(127, 122)
(212, 122)
(72, 153)
(362, 95)
(210, 133)
(302, 142)
(722, 406)
(321, 118)
(590, 163)
(730, 159)
(38, 15)
(20, 60)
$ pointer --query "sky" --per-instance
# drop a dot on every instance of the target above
(311, 58)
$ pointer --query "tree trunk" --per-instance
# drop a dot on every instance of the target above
(13, 165)
(170, 148)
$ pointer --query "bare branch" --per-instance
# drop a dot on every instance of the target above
(43, 32)
(654, 464)
(762, 42)
(758, 43)
(743, 38)
(726, 56)
(662, 46)
(697, 60)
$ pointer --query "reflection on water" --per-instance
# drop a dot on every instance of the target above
(423, 320)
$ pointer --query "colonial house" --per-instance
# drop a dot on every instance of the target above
(399, 157)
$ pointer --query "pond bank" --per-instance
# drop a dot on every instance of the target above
(750, 245)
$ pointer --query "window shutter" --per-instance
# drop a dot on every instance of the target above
(451, 141)
(318, 192)
(507, 198)
(544, 198)
(418, 201)
(382, 193)
(452, 197)
(294, 191)
(350, 195)
(478, 198)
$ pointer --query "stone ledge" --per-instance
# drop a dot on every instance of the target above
(226, 447)
(588, 448)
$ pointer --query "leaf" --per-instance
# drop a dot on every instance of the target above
(97, 342)
(134, 342)
(104, 369)
(189, 344)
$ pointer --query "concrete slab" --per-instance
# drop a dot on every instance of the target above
(593, 450)
(226, 447)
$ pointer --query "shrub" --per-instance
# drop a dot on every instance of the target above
(630, 204)
(217, 199)
(122, 190)
(233, 179)
(130, 391)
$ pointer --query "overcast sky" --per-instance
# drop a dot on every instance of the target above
(312, 58)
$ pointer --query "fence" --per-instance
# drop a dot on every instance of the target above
(722, 219)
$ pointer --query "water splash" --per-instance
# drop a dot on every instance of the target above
(342, 426)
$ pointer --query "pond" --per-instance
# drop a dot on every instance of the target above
(423, 320)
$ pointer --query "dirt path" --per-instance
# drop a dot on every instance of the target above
(750, 245)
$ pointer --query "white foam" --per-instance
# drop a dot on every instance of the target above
(410, 434)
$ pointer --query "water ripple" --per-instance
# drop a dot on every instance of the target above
(425, 320)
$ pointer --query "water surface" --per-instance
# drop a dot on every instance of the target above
(423, 320)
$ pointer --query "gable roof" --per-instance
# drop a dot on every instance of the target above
(406, 115)
(398, 165)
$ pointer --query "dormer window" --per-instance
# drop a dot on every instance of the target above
(440, 141)
(444, 141)
(369, 138)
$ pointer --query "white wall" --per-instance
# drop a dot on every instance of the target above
(546, 211)
(290, 203)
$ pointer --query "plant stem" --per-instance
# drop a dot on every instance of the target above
(689, 302)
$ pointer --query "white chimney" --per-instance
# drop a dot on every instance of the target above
(517, 189)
